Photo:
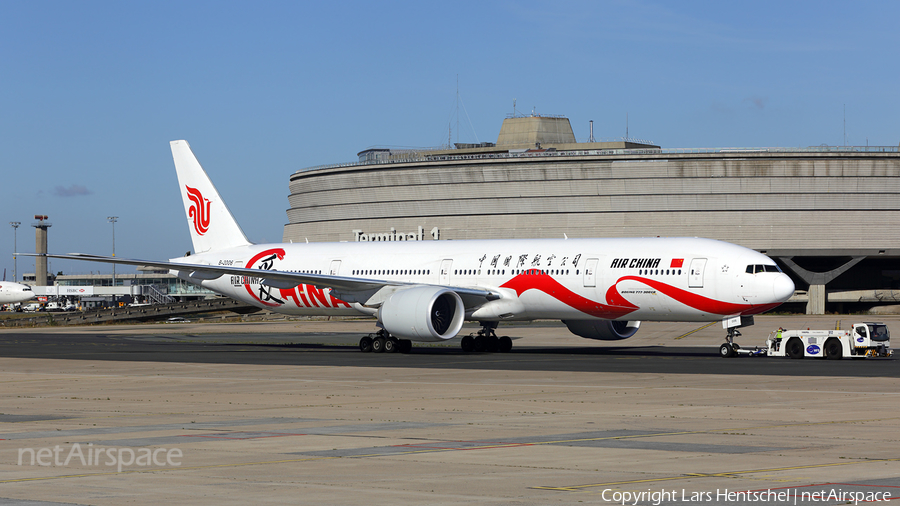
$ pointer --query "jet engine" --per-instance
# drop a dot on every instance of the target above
(423, 313)
(604, 330)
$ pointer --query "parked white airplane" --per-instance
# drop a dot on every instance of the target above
(425, 290)
(11, 293)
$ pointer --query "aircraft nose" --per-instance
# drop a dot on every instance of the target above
(783, 288)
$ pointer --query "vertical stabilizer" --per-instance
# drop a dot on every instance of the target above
(211, 224)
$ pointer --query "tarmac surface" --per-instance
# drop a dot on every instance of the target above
(292, 412)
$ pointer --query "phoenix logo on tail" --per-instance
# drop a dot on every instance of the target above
(198, 213)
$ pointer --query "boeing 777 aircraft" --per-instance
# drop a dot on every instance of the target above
(425, 290)
(10, 292)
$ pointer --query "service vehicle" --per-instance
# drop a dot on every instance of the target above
(863, 340)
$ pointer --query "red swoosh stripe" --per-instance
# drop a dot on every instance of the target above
(544, 283)
(700, 302)
(617, 306)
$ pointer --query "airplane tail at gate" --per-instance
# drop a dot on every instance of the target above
(211, 224)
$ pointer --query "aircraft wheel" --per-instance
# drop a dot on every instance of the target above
(378, 344)
(491, 343)
(794, 348)
(404, 346)
(480, 343)
(467, 344)
(726, 351)
(365, 344)
(504, 345)
(833, 349)
(390, 345)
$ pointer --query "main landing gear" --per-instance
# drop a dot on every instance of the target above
(486, 340)
(383, 342)
(483, 340)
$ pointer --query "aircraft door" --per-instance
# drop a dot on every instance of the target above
(445, 271)
(335, 267)
(695, 280)
(590, 272)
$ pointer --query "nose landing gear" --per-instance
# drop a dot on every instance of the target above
(729, 348)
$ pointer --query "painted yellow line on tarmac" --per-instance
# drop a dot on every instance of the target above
(696, 330)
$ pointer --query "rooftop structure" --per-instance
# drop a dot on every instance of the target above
(517, 134)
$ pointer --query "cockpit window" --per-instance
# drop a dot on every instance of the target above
(753, 269)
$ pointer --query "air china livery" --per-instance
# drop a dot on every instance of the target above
(11, 293)
(425, 290)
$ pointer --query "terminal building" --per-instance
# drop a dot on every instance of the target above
(147, 286)
(828, 215)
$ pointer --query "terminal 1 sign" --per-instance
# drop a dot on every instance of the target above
(393, 235)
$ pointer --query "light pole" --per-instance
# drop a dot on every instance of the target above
(113, 219)
(15, 226)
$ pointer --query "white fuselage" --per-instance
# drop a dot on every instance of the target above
(11, 293)
(651, 279)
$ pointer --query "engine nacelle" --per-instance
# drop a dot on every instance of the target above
(423, 313)
(604, 330)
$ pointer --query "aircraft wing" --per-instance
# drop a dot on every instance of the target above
(350, 289)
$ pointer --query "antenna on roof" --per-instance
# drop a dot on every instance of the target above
(457, 107)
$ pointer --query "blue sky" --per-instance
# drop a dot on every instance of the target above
(91, 92)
